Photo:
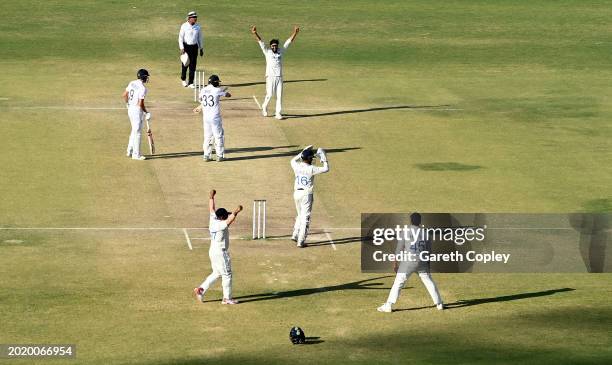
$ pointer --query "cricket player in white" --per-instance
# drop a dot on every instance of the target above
(134, 96)
(210, 98)
(220, 261)
(305, 172)
(405, 268)
(274, 70)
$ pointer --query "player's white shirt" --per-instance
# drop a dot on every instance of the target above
(219, 233)
(136, 92)
(274, 61)
(305, 173)
(209, 98)
(412, 245)
(190, 34)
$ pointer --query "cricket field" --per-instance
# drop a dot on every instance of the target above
(449, 106)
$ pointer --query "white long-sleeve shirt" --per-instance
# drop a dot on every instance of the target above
(274, 60)
(190, 34)
(305, 173)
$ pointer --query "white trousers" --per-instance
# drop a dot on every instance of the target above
(400, 280)
(213, 132)
(274, 84)
(221, 264)
(133, 147)
(303, 206)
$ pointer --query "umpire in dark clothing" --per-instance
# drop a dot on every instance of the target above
(190, 40)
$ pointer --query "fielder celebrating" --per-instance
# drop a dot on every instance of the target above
(220, 220)
(190, 40)
(305, 172)
(134, 96)
(405, 268)
(210, 98)
(274, 70)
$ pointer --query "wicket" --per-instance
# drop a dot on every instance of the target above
(199, 83)
(259, 225)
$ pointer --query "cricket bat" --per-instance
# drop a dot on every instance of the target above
(150, 138)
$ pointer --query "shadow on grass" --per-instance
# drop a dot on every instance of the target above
(504, 298)
(227, 150)
(355, 285)
(286, 154)
(339, 241)
(263, 82)
(446, 166)
(365, 110)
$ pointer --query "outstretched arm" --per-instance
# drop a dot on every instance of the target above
(211, 201)
(234, 214)
(296, 30)
(254, 32)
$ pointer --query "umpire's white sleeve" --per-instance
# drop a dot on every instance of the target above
(201, 39)
(181, 37)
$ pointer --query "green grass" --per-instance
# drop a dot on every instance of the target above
(463, 106)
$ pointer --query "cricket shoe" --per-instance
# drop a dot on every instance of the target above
(140, 158)
(279, 117)
(206, 158)
(385, 308)
(229, 301)
(129, 154)
(301, 244)
(199, 293)
(440, 306)
(220, 158)
(264, 112)
(184, 83)
(191, 86)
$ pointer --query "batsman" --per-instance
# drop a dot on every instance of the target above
(305, 172)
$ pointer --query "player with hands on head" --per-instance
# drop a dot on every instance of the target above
(305, 172)
(274, 69)
(210, 99)
(220, 261)
(134, 96)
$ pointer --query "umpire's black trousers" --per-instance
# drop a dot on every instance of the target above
(192, 52)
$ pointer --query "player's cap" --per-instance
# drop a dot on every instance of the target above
(192, 14)
(221, 213)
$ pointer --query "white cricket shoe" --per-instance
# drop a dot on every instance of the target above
(229, 301)
(264, 112)
(301, 244)
(184, 83)
(385, 308)
(139, 158)
(206, 158)
(191, 86)
(440, 306)
(220, 158)
(279, 117)
(129, 154)
(199, 293)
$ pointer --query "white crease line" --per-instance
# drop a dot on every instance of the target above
(331, 241)
(257, 102)
(187, 238)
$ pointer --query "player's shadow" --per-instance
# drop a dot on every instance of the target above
(313, 340)
(355, 285)
(228, 150)
(366, 110)
(337, 241)
(285, 154)
(504, 298)
(263, 82)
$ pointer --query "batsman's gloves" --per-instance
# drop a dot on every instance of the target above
(322, 155)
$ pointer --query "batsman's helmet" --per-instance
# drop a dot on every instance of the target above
(221, 214)
(308, 154)
(143, 75)
(214, 80)
(297, 336)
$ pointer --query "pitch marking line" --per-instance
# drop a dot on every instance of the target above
(187, 238)
(331, 241)
(257, 102)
